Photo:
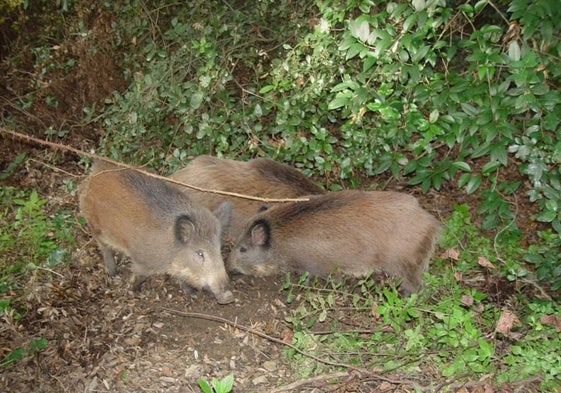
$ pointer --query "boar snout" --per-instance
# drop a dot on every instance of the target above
(219, 286)
(225, 297)
(222, 294)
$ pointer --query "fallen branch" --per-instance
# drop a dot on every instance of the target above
(260, 334)
(363, 374)
(59, 146)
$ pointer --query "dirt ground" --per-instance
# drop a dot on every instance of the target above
(102, 337)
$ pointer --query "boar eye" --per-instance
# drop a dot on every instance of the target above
(201, 255)
(243, 249)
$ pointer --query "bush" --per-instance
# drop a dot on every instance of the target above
(432, 93)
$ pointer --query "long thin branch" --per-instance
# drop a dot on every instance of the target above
(364, 373)
(59, 146)
(260, 334)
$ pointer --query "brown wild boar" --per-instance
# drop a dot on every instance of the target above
(261, 177)
(349, 233)
(157, 226)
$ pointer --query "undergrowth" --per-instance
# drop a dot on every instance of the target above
(32, 245)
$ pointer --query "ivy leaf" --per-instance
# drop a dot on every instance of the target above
(546, 216)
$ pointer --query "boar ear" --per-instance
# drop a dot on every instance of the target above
(262, 208)
(260, 233)
(184, 228)
(224, 215)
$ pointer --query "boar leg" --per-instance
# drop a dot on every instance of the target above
(409, 285)
(138, 282)
(109, 259)
(187, 289)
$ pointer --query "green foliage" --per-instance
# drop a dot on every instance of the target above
(30, 241)
(6, 173)
(184, 94)
(546, 258)
(223, 385)
(442, 96)
(17, 354)
(8, 6)
(29, 238)
(18, 17)
(538, 352)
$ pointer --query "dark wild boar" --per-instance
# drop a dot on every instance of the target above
(157, 226)
(261, 177)
(349, 233)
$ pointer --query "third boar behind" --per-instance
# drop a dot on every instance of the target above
(261, 177)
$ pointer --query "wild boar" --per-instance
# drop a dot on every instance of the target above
(261, 177)
(350, 233)
(157, 226)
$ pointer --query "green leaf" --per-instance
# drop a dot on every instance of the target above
(473, 184)
(37, 345)
(464, 179)
(360, 30)
(491, 166)
(419, 54)
(469, 109)
(551, 204)
(14, 356)
(546, 216)
(480, 5)
(344, 86)
(266, 89)
(369, 61)
(196, 100)
(341, 99)
(433, 117)
(464, 166)
(225, 385)
(410, 21)
(205, 387)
